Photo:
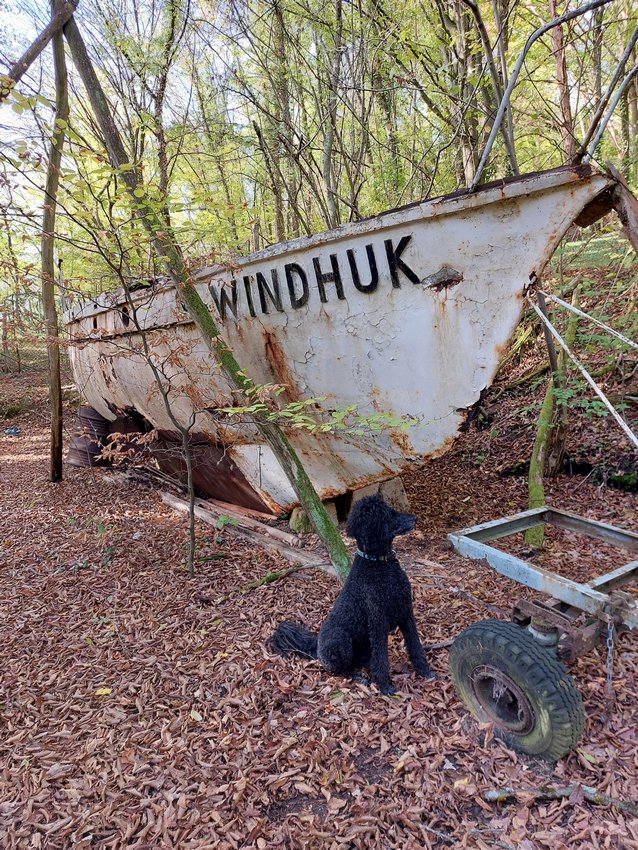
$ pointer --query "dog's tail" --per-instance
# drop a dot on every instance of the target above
(293, 638)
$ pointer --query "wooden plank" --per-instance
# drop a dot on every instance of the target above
(239, 509)
(290, 553)
(248, 522)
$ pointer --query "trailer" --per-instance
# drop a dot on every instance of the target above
(513, 674)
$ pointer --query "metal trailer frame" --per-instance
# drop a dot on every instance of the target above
(577, 616)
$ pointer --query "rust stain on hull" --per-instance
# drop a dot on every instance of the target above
(276, 359)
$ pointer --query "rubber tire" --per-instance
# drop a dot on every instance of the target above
(558, 716)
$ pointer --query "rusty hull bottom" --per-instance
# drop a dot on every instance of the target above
(96, 441)
(214, 473)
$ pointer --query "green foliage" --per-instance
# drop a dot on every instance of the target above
(223, 521)
(304, 414)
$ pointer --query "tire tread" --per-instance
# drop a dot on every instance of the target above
(538, 667)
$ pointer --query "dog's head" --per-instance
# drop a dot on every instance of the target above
(374, 524)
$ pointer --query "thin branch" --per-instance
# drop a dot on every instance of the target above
(19, 68)
(601, 395)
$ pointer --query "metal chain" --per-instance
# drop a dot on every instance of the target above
(610, 662)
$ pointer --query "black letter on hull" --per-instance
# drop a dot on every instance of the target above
(249, 295)
(374, 272)
(222, 300)
(273, 294)
(328, 277)
(295, 268)
(395, 262)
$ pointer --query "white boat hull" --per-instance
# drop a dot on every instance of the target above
(407, 314)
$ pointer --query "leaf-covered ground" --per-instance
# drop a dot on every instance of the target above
(138, 711)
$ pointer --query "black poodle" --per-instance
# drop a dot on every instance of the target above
(375, 600)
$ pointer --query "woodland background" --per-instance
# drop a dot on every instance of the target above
(142, 710)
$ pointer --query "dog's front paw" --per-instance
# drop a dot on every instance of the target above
(430, 674)
(387, 690)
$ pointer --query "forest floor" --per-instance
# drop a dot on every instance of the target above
(141, 709)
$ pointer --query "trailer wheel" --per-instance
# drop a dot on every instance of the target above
(504, 676)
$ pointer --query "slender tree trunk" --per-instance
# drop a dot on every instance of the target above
(169, 253)
(550, 444)
(597, 56)
(275, 183)
(461, 58)
(534, 536)
(493, 104)
(382, 85)
(567, 123)
(5, 342)
(502, 28)
(158, 115)
(556, 456)
(626, 137)
(47, 250)
(284, 116)
(632, 108)
(330, 118)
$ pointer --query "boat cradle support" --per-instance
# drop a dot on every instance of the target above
(577, 615)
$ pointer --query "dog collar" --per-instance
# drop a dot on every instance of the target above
(376, 557)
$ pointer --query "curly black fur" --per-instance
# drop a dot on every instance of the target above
(375, 600)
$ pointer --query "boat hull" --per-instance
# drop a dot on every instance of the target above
(405, 315)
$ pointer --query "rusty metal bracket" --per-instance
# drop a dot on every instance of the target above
(577, 633)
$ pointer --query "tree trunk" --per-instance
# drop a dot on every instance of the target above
(271, 165)
(632, 109)
(551, 436)
(534, 536)
(558, 450)
(597, 55)
(284, 116)
(567, 123)
(168, 251)
(5, 343)
(493, 103)
(330, 118)
(47, 248)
